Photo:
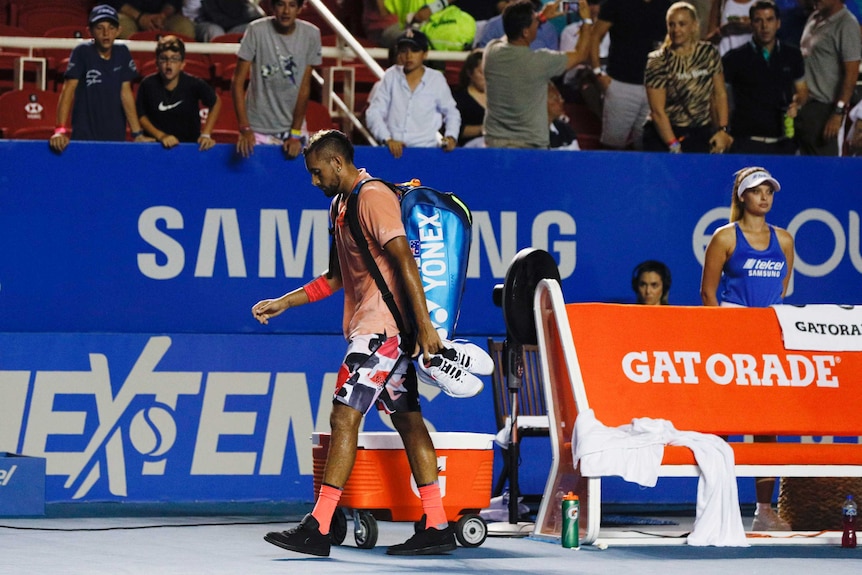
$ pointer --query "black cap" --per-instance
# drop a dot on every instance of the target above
(104, 12)
(413, 38)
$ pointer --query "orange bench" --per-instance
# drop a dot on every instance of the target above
(713, 370)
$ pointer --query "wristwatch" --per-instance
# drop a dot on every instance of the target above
(840, 108)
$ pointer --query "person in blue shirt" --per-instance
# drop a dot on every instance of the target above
(411, 103)
(97, 91)
(548, 36)
(752, 260)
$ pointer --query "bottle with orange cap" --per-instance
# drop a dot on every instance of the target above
(570, 511)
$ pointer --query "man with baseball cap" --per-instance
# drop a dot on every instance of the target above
(411, 103)
(97, 91)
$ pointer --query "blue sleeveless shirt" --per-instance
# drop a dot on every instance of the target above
(754, 278)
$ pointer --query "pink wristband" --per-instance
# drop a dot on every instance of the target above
(317, 289)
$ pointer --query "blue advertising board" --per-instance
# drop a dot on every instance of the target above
(129, 358)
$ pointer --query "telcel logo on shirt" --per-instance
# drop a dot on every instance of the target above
(763, 268)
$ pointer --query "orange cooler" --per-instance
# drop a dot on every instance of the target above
(381, 481)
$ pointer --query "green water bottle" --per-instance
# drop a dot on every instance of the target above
(570, 511)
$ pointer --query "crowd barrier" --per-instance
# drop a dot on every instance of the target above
(129, 358)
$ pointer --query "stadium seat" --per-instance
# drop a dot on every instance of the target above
(317, 117)
(224, 136)
(583, 120)
(33, 133)
(39, 17)
(27, 109)
(224, 64)
(227, 115)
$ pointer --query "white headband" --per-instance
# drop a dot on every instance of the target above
(755, 179)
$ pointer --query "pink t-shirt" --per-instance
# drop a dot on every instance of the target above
(365, 312)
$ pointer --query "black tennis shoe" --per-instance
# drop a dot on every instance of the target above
(304, 538)
(428, 541)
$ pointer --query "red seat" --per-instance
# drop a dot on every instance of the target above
(227, 115)
(39, 17)
(224, 64)
(583, 120)
(33, 133)
(224, 136)
(317, 117)
(8, 56)
(26, 109)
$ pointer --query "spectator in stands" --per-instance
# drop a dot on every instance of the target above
(217, 17)
(412, 102)
(581, 83)
(97, 91)
(279, 51)
(471, 101)
(830, 48)
(636, 28)
(728, 280)
(854, 134)
(730, 24)
(517, 77)
(767, 81)
(685, 90)
(547, 36)
(561, 133)
(169, 101)
(144, 15)
(651, 282)
(410, 14)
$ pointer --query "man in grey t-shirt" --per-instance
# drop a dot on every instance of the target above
(517, 77)
(831, 51)
(279, 51)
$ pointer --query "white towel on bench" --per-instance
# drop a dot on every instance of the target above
(634, 452)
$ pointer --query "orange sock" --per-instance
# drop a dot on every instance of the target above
(432, 505)
(325, 506)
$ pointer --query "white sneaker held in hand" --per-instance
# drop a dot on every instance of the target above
(469, 356)
(454, 380)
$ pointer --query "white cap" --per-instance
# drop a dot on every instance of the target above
(755, 179)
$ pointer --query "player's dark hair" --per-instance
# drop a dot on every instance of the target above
(330, 143)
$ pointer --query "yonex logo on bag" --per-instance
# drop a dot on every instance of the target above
(6, 475)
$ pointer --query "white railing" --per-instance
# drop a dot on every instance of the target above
(346, 51)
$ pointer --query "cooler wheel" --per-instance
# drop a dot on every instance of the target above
(338, 530)
(365, 530)
(471, 530)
